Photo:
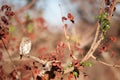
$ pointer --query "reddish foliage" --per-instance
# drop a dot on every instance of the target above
(113, 38)
(4, 20)
(31, 36)
(3, 32)
(42, 49)
(108, 46)
(13, 74)
(40, 22)
(113, 54)
(12, 49)
(60, 49)
(2, 74)
(76, 64)
(70, 17)
(13, 38)
(103, 49)
(64, 19)
(36, 71)
(17, 47)
(9, 13)
(4, 7)
(53, 56)
(70, 76)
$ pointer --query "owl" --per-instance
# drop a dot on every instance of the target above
(25, 46)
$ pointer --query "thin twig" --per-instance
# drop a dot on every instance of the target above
(112, 9)
(8, 53)
(91, 50)
(26, 7)
(68, 42)
(104, 63)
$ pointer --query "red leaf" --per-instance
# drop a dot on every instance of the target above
(103, 49)
(63, 19)
(113, 54)
(113, 38)
(70, 76)
(71, 17)
(36, 71)
(13, 39)
(62, 55)
(41, 20)
(40, 50)
(108, 46)
(32, 36)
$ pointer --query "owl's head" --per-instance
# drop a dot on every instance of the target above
(26, 40)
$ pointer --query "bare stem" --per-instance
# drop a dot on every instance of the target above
(26, 7)
(92, 49)
(8, 53)
(104, 63)
(68, 42)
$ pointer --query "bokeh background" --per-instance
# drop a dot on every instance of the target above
(41, 21)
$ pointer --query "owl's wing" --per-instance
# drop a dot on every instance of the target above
(21, 48)
(27, 48)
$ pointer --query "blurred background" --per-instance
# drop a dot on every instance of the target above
(41, 20)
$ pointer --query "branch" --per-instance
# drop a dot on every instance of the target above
(104, 63)
(96, 43)
(68, 42)
(92, 49)
(8, 54)
(93, 46)
(36, 59)
(26, 7)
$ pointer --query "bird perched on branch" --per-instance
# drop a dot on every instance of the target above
(25, 46)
